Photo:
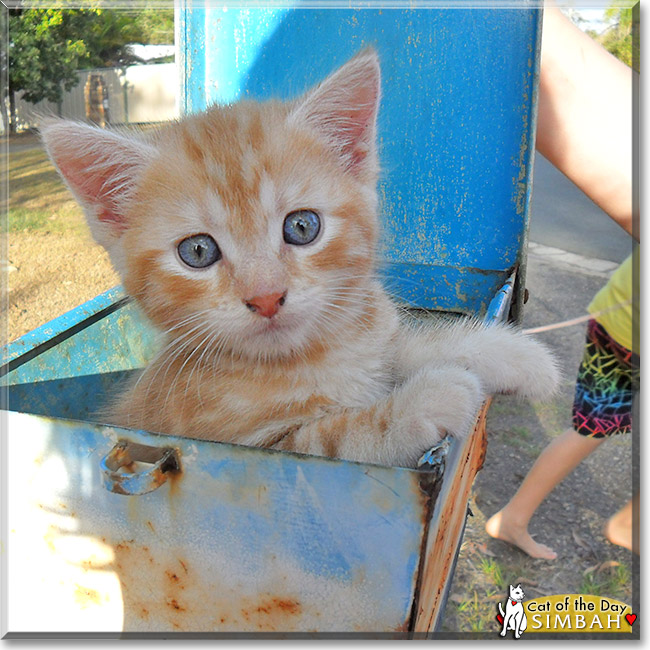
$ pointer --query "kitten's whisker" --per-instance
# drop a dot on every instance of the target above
(180, 370)
(345, 318)
(198, 331)
(214, 353)
(162, 353)
(191, 318)
(208, 349)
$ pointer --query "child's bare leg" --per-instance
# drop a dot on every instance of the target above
(620, 529)
(559, 458)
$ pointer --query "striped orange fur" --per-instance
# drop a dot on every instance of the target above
(269, 339)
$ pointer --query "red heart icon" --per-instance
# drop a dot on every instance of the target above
(500, 619)
(630, 618)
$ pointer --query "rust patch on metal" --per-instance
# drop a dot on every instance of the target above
(152, 590)
(174, 478)
(174, 579)
(403, 628)
(274, 605)
(173, 603)
(124, 546)
(117, 488)
(443, 540)
(271, 614)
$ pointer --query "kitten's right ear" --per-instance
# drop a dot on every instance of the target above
(343, 110)
(100, 167)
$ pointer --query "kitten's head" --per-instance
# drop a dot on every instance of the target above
(251, 227)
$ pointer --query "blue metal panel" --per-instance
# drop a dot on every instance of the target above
(67, 367)
(50, 333)
(497, 311)
(239, 539)
(456, 129)
(242, 539)
(221, 46)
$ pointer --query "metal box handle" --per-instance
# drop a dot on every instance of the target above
(164, 462)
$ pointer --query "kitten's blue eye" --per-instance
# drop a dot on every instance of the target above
(301, 227)
(199, 251)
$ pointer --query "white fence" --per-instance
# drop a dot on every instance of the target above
(136, 94)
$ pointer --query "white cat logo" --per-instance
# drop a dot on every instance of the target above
(514, 618)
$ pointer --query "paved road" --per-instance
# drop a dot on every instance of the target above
(563, 217)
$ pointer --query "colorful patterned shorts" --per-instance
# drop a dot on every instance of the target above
(608, 377)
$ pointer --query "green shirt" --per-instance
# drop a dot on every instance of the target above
(618, 301)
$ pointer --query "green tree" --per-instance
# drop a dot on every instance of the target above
(47, 46)
(106, 35)
(618, 38)
(156, 25)
(45, 53)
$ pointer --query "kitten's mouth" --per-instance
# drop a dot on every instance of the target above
(273, 325)
(282, 336)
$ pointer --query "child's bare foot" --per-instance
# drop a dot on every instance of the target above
(499, 527)
(617, 535)
(618, 529)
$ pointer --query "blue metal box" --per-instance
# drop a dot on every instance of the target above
(226, 539)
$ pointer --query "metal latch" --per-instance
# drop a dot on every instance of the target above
(119, 467)
(434, 460)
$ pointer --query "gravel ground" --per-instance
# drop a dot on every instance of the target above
(571, 519)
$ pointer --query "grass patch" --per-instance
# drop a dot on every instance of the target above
(523, 433)
(520, 438)
(477, 614)
(31, 220)
(493, 572)
(38, 199)
(611, 583)
(503, 406)
(555, 415)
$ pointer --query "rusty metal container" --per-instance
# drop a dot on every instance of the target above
(121, 532)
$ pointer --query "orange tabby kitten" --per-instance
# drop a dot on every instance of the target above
(247, 235)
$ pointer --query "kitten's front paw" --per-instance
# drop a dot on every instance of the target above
(509, 361)
(533, 372)
(435, 402)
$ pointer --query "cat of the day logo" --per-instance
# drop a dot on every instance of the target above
(562, 613)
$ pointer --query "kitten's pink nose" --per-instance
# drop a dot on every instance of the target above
(268, 305)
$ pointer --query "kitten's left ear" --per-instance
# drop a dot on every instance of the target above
(343, 110)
